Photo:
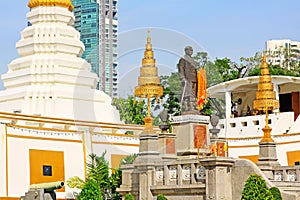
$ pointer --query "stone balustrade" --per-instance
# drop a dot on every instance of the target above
(286, 173)
(180, 172)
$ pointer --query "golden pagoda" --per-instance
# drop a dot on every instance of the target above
(62, 3)
(148, 82)
(265, 98)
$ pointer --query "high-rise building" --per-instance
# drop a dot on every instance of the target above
(97, 22)
(285, 53)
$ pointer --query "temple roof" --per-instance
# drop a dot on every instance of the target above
(62, 3)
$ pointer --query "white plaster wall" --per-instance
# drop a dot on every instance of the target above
(284, 122)
(18, 162)
(236, 152)
(2, 161)
(296, 126)
(280, 123)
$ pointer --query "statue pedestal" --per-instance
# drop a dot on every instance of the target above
(267, 158)
(191, 134)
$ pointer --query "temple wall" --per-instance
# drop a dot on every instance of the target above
(34, 145)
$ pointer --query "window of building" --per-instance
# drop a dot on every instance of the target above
(47, 170)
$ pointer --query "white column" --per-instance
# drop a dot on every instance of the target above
(276, 89)
(228, 104)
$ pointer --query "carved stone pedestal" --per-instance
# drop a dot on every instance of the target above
(167, 146)
(218, 177)
(267, 158)
(139, 177)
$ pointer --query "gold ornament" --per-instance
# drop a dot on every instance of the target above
(265, 98)
(148, 82)
(62, 3)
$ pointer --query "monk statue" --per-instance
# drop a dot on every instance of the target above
(188, 75)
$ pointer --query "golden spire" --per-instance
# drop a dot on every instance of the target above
(148, 82)
(62, 3)
(265, 97)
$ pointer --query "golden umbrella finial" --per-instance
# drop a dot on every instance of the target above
(148, 82)
(148, 38)
(265, 97)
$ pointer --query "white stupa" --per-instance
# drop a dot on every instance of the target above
(50, 78)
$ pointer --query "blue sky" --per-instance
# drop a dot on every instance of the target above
(231, 28)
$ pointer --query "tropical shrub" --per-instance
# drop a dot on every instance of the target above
(98, 172)
(256, 189)
(276, 193)
(161, 197)
(129, 196)
(90, 191)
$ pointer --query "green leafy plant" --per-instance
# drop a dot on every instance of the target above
(161, 197)
(129, 196)
(106, 179)
(90, 191)
(256, 188)
(276, 193)
(98, 171)
(75, 182)
(128, 159)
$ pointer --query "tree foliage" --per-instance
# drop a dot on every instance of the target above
(255, 188)
(90, 191)
(201, 59)
(130, 111)
(213, 76)
(172, 92)
(230, 70)
(275, 70)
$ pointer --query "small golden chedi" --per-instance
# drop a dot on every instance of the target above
(148, 82)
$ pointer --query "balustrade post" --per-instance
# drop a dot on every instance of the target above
(193, 172)
(179, 174)
(166, 175)
(285, 176)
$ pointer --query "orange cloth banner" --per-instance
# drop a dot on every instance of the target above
(201, 76)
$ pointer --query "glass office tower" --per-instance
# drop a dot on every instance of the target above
(97, 22)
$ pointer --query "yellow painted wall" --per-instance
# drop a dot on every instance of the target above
(292, 157)
(38, 158)
(116, 159)
(253, 158)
